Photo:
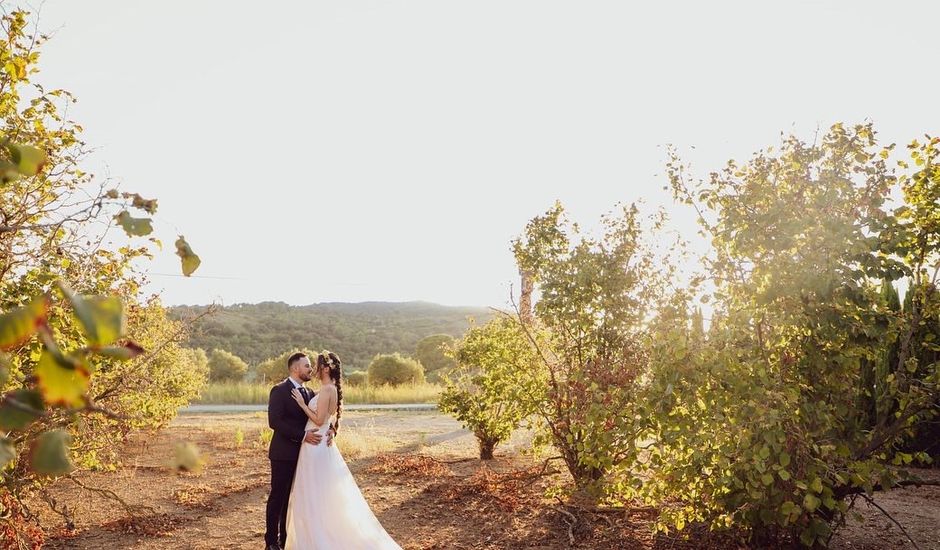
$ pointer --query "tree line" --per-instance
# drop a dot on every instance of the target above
(357, 332)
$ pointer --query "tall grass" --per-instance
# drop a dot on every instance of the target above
(250, 393)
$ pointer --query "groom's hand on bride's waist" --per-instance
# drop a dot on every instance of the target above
(312, 437)
(330, 434)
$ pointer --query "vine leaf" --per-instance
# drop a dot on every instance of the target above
(189, 258)
(102, 317)
(28, 160)
(50, 454)
(124, 352)
(134, 227)
(62, 383)
(18, 325)
(19, 408)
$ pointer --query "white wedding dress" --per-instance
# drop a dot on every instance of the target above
(327, 510)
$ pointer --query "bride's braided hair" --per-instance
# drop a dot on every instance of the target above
(329, 360)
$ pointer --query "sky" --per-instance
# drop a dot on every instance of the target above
(363, 150)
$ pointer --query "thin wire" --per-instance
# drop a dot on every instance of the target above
(198, 276)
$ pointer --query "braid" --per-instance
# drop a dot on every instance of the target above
(332, 362)
(336, 373)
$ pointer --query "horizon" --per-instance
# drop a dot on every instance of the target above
(366, 302)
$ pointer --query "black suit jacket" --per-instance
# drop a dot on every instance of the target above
(287, 420)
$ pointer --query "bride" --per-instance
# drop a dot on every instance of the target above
(327, 510)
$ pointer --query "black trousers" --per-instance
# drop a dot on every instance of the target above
(282, 477)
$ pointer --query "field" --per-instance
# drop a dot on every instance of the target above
(249, 393)
(419, 473)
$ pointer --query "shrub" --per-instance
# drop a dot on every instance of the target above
(760, 426)
(358, 378)
(431, 352)
(394, 369)
(224, 366)
(595, 294)
(491, 388)
(274, 370)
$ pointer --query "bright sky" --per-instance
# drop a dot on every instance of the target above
(390, 150)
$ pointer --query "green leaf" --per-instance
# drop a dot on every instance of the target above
(784, 459)
(124, 352)
(28, 159)
(767, 479)
(102, 317)
(189, 259)
(62, 383)
(807, 537)
(816, 485)
(20, 324)
(28, 407)
(784, 475)
(810, 502)
(134, 227)
(4, 369)
(50, 454)
(7, 451)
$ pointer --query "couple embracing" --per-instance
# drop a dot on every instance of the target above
(314, 502)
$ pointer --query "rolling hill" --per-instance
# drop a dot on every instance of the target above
(357, 332)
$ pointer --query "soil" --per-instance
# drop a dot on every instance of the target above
(419, 472)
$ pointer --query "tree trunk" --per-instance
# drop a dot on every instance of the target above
(525, 296)
(486, 449)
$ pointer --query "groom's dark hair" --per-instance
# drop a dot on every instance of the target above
(294, 358)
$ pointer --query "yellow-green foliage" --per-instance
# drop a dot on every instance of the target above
(75, 383)
(766, 422)
(492, 388)
(248, 393)
(395, 369)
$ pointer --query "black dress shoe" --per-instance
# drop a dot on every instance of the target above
(273, 547)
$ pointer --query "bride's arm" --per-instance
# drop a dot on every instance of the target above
(323, 407)
(311, 414)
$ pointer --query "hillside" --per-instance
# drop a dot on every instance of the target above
(356, 332)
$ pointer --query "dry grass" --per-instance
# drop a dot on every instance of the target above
(250, 393)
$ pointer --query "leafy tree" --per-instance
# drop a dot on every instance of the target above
(490, 389)
(595, 296)
(73, 384)
(274, 369)
(431, 353)
(759, 425)
(225, 366)
(924, 440)
(358, 378)
(394, 369)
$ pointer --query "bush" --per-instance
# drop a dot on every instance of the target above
(225, 366)
(767, 424)
(492, 384)
(274, 370)
(595, 294)
(431, 352)
(394, 369)
(359, 378)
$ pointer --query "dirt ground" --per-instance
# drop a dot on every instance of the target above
(418, 472)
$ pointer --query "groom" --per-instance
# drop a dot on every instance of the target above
(288, 422)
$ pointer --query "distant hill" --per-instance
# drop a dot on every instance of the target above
(356, 332)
